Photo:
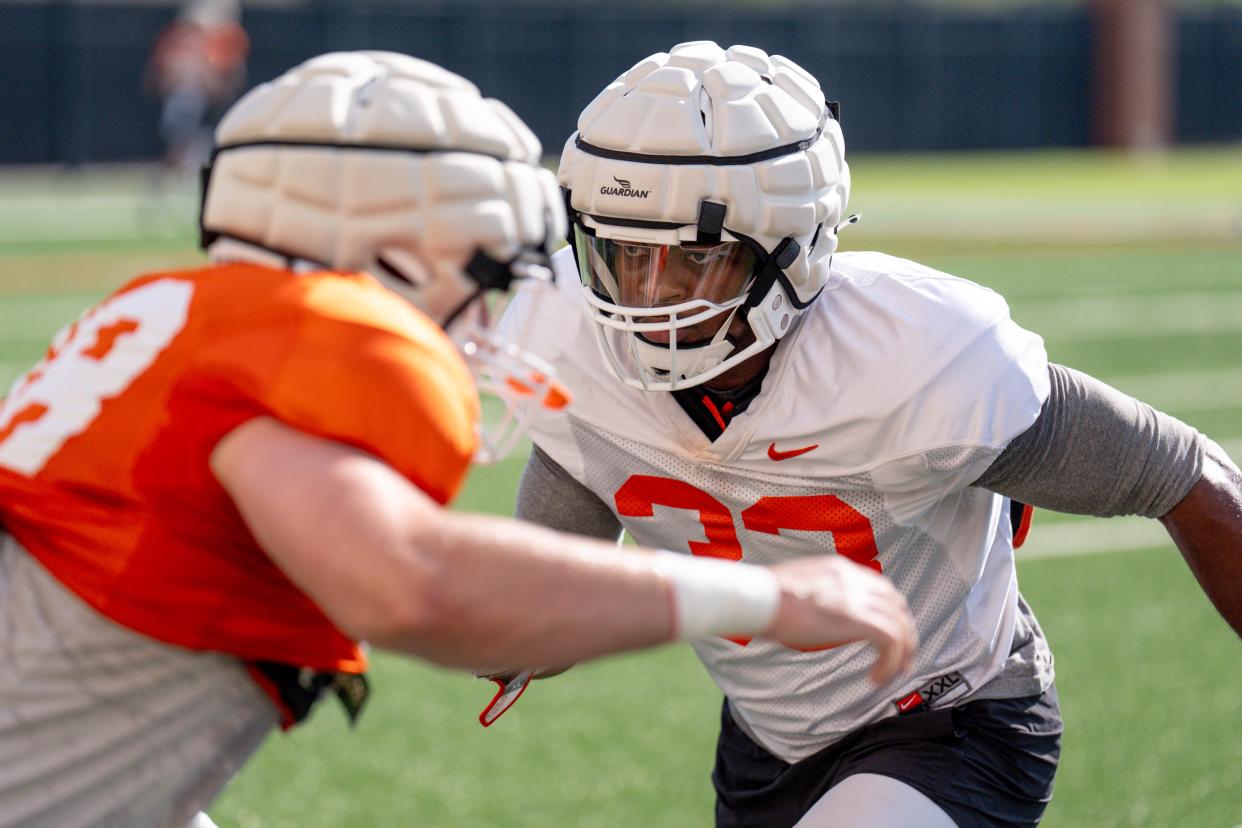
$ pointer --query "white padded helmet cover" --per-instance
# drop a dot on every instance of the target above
(701, 100)
(471, 182)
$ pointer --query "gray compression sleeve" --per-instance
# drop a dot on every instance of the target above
(549, 496)
(1094, 450)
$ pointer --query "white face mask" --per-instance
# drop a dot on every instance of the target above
(513, 383)
(663, 312)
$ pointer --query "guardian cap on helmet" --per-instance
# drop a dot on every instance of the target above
(704, 186)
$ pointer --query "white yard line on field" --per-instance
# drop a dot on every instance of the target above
(1094, 318)
(1090, 537)
(1184, 390)
(987, 216)
(94, 216)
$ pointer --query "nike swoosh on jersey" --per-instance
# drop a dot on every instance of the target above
(906, 704)
(785, 455)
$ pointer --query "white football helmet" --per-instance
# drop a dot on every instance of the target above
(705, 187)
(380, 162)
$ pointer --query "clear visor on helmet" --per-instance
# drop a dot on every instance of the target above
(666, 314)
(694, 283)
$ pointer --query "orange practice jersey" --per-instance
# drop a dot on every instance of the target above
(104, 445)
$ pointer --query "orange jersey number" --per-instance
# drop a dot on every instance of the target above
(92, 360)
(851, 530)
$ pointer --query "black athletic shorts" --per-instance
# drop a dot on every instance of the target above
(986, 763)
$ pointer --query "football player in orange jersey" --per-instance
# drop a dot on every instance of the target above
(220, 480)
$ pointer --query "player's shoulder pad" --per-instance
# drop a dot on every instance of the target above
(385, 377)
(384, 328)
(358, 299)
(238, 294)
(923, 358)
(906, 291)
(340, 356)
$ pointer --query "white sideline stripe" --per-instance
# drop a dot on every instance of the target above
(1036, 219)
(94, 216)
(1093, 318)
(1095, 535)
(1091, 537)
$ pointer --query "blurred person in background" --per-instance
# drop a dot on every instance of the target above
(197, 67)
(747, 393)
(221, 480)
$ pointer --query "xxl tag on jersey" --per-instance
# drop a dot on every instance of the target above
(509, 690)
(936, 693)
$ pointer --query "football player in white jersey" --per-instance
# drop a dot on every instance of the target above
(746, 393)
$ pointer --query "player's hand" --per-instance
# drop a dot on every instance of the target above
(829, 600)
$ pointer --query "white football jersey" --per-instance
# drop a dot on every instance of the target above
(892, 394)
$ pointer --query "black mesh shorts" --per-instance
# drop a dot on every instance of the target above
(986, 763)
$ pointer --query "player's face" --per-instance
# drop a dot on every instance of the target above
(656, 276)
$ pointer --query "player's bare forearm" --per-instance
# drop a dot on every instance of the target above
(390, 566)
(511, 594)
(1207, 528)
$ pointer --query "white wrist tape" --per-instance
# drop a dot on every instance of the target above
(715, 597)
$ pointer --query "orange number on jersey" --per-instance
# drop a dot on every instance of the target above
(638, 495)
(850, 528)
(92, 360)
(851, 531)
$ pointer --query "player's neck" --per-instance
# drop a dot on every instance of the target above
(742, 374)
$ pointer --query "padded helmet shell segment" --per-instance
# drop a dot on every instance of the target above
(382, 162)
(703, 144)
(736, 127)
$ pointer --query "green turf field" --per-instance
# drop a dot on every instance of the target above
(1131, 270)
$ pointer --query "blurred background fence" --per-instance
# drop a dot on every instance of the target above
(910, 76)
